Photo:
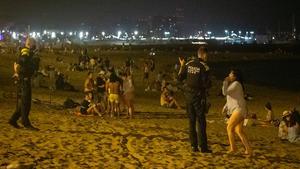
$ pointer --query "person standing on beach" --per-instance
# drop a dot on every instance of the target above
(24, 69)
(128, 93)
(114, 89)
(196, 73)
(233, 89)
(89, 85)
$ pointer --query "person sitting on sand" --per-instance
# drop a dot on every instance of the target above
(283, 130)
(87, 107)
(290, 127)
(114, 89)
(270, 114)
(167, 100)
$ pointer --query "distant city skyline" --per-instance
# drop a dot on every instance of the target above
(215, 15)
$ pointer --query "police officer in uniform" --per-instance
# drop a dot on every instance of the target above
(24, 68)
(196, 74)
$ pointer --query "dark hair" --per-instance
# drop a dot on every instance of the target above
(113, 78)
(253, 116)
(89, 73)
(239, 77)
(268, 106)
(294, 118)
(202, 50)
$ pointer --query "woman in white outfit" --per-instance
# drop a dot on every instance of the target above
(233, 89)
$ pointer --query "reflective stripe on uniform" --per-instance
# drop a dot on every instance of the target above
(25, 51)
(205, 66)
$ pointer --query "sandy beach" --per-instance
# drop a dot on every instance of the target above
(157, 137)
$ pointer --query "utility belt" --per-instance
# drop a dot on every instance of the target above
(197, 91)
(24, 78)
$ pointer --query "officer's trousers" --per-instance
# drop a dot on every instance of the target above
(23, 102)
(197, 121)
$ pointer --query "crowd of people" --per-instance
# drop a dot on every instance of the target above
(113, 87)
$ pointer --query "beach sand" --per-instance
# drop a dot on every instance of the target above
(148, 141)
(157, 137)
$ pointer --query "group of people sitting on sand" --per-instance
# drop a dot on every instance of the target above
(105, 94)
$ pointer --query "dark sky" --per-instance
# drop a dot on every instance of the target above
(215, 14)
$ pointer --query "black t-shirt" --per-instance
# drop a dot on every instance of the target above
(84, 106)
(100, 81)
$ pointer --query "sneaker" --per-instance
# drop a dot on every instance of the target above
(30, 127)
(195, 149)
(206, 151)
(14, 124)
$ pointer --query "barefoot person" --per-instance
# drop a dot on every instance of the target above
(113, 90)
(197, 80)
(128, 89)
(89, 84)
(233, 89)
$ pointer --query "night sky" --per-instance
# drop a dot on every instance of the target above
(105, 14)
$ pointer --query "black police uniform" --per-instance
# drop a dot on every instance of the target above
(27, 66)
(196, 74)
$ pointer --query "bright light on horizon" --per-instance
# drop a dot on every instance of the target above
(81, 35)
(14, 35)
(119, 34)
(53, 35)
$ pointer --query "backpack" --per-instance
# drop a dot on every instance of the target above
(69, 103)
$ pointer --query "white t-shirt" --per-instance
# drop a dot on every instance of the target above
(235, 100)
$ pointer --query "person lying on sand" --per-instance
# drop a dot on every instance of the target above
(251, 120)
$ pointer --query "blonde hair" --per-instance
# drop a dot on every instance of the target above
(30, 42)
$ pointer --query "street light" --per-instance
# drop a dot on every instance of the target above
(136, 32)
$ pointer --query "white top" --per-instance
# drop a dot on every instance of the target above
(294, 133)
(235, 100)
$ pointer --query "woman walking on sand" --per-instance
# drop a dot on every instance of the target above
(233, 89)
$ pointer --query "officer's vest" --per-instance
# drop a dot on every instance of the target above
(195, 74)
(26, 62)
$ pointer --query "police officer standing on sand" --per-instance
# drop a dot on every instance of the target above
(24, 68)
(196, 74)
